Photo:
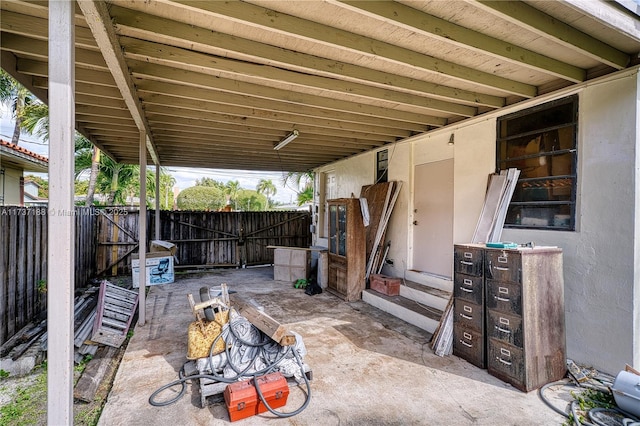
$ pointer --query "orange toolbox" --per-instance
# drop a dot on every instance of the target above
(242, 398)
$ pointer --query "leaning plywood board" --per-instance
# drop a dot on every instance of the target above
(377, 197)
(497, 184)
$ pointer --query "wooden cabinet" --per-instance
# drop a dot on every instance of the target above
(347, 251)
(523, 328)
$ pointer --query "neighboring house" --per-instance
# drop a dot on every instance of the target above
(580, 190)
(31, 198)
(14, 161)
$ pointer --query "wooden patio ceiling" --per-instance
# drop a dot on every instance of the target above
(219, 83)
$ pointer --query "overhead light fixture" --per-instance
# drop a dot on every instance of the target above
(451, 139)
(291, 136)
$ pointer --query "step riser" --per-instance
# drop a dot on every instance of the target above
(404, 314)
(423, 298)
(429, 280)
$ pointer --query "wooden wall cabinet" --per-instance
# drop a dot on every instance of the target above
(347, 251)
(521, 335)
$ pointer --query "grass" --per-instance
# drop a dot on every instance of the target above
(28, 404)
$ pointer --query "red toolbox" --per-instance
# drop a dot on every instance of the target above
(384, 284)
(242, 399)
(275, 389)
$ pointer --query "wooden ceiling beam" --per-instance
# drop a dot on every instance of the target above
(40, 48)
(358, 113)
(170, 115)
(547, 26)
(84, 75)
(460, 36)
(273, 76)
(99, 21)
(268, 20)
(189, 78)
(274, 116)
(170, 32)
(309, 138)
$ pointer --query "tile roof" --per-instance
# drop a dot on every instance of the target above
(22, 150)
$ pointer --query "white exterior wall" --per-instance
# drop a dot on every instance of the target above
(601, 258)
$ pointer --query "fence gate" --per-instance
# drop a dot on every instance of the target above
(203, 239)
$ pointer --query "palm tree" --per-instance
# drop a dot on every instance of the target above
(303, 185)
(35, 120)
(266, 187)
(232, 189)
(18, 97)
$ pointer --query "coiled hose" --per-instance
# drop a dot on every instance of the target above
(630, 420)
(182, 379)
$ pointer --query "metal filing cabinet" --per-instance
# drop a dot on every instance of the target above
(469, 338)
(525, 315)
(509, 312)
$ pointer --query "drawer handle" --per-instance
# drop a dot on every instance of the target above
(466, 344)
(464, 262)
(501, 268)
(468, 255)
(467, 281)
(466, 290)
(466, 316)
(504, 330)
(502, 299)
(503, 361)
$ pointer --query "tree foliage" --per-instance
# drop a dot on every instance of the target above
(207, 198)
(250, 200)
(302, 183)
(266, 187)
(17, 97)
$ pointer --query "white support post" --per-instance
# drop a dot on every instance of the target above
(157, 224)
(142, 237)
(61, 226)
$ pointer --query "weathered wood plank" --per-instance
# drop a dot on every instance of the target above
(100, 366)
(261, 320)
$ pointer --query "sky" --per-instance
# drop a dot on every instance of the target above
(185, 177)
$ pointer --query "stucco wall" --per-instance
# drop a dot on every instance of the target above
(601, 258)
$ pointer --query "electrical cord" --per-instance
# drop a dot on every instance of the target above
(240, 372)
(595, 385)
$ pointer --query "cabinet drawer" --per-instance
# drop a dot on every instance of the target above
(504, 297)
(468, 260)
(468, 314)
(503, 265)
(507, 328)
(469, 344)
(469, 288)
(505, 362)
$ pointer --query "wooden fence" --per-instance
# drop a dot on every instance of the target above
(23, 262)
(203, 239)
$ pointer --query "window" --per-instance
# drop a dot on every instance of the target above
(382, 164)
(541, 143)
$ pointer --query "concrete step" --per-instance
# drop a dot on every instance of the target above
(425, 294)
(434, 281)
(422, 316)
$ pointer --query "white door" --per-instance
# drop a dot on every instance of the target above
(433, 218)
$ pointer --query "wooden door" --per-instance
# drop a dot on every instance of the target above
(433, 218)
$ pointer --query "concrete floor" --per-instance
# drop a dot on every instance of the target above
(368, 368)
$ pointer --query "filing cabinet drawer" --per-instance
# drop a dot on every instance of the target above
(469, 344)
(468, 260)
(505, 327)
(504, 297)
(506, 362)
(503, 265)
(468, 314)
(469, 288)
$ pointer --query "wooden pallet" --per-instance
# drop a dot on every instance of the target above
(116, 307)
